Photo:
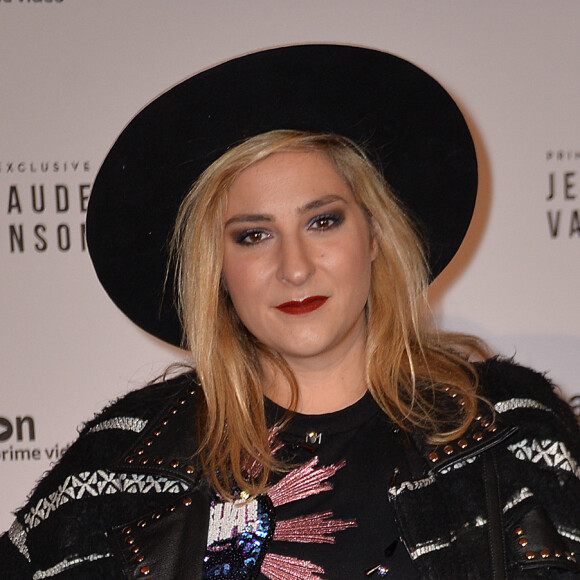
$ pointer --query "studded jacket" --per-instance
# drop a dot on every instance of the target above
(127, 500)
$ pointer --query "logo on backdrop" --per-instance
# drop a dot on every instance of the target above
(18, 442)
(45, 204)
(562, 196)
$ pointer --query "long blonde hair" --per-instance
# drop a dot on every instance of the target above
(421, 378)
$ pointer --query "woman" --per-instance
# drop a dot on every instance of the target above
(326, 431)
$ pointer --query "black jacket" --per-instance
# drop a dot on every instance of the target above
(127, 501)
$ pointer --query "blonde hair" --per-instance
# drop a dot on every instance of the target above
(421, 378)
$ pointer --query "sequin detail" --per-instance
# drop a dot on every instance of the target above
(277, 567)
(238, 538)
(240, 532)
(254, 468)
(124, 423)
(66, 564)
(303, 482)
(227, 519)
(319, 528)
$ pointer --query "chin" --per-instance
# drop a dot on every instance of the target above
(304, 351)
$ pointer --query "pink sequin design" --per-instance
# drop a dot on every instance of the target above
(303, 481)
(319, 528)
(278, 567)
(254, 468)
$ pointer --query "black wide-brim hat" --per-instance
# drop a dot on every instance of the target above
(409, 125)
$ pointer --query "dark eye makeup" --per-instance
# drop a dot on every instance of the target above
(326, 221)
(251, 237)
(319, 223)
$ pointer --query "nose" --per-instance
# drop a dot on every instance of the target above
(295, 263)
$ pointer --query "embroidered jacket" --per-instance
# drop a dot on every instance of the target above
(127, 501)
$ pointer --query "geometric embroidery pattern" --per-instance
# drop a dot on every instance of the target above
(96, 483)
(434, 545)
(521, 495)
(17, 535)
(513, 404)
(66, 564)
(411, 485)
(458, 465)
(427, 547)
(573, 535)
(125, 423)
(547, 452)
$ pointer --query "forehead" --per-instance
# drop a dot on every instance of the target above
(289, 178)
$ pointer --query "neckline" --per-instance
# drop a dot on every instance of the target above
(340, 421)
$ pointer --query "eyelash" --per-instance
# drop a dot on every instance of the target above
(242, 237)
(336, 220)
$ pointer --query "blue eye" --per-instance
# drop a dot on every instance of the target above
(326, 221)
(251, 237)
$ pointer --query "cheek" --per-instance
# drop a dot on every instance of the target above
(244, 282)
(236, 279)
(357, 273)
(356, 259)
(245, 293)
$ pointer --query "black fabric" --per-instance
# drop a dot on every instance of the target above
(449, 511)
(410, 126)
(441, 514)
(78, 528)
(188, 516)
(362, 436)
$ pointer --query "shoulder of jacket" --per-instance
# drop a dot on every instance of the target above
(145, 402)
(512, 387)
(523, 401)
(92, 487)
(115, 429)
(503, 377)
(529, 400)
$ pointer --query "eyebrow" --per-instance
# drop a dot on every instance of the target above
(264, 217)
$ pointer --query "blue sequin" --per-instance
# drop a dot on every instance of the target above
(241, 556)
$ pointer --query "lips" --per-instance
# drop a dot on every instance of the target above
(302, 306)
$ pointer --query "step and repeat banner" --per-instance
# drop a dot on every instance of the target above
(74, 72)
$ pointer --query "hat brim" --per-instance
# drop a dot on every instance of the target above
(410, 125)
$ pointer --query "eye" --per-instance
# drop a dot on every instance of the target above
(251, 237)
(326, 221)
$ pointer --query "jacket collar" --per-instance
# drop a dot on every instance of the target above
(485, 432)
(168, 445)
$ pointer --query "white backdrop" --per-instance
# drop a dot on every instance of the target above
(73, 73)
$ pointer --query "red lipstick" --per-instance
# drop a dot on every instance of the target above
(302, 306)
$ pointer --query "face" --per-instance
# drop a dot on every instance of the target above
(297, 257)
